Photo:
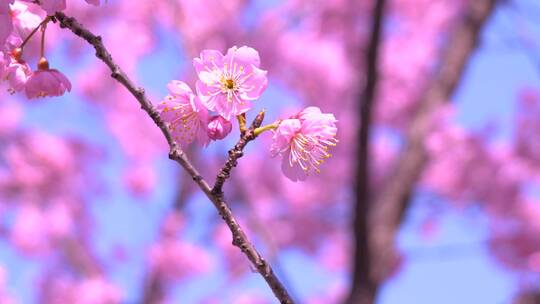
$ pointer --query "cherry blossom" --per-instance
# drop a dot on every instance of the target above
(25, 17)
(46, 82)
(17, 73)
(303, 142)
(29, 231)
(97, 290)
(174, 259)
(5, 296)
(186, 116)
(140, 179)
(6, 25)
(3, 64)
(53, 6)
(227, 84)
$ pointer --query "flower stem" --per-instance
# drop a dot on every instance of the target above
(45, 21)
(42, 50)
(269, 127)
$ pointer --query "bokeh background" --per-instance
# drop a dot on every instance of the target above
(92, 210)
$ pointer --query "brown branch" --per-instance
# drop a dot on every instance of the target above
(78, 255)
(154, 289)
(185, 187)
(387, 208)
(175, 153)
(363, 289)
(235, 153)
(527, 297)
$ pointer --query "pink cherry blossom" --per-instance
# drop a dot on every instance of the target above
(29, 231)
(11, 114)
(5, 296)
(60, 220)
(3, 64)
(140, 179)
(219, 127)
(53, 6)
(174, 260)
(227, 84)
(4, 5)
(303, 142)
(6, 26)
(17, 74)
(93, 2)
(96, 290)
(25, 17)
(46, 82)
(184, 113)
(172, 223)
(12, 43)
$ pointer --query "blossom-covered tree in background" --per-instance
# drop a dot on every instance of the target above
(385, 70)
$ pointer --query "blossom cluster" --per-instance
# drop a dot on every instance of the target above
(19, 21)
(226, 87)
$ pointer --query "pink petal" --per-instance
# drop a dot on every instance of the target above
(208, 95)
(63, 80)
(53, 6)
(292, 172)
(93, 2)
(6, 27)
(257, 84)
(208, 60)
(243, 56)
(283, 135)
(179, 88)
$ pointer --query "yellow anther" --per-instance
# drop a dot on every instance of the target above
(229, 84)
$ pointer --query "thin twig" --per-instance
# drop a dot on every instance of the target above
(78, 255)
(235, 153)
(240, 239)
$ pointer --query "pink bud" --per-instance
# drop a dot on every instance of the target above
(218, 128)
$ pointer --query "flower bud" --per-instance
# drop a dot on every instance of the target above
(43, 64)
(219, 127)
(17, 54)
